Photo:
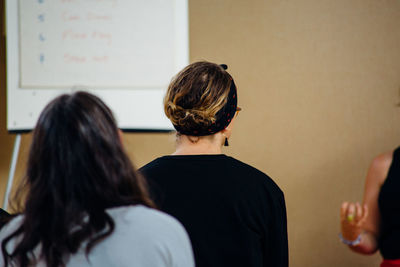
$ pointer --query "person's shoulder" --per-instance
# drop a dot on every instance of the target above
(379, 167)
(152, 165)
(384, 160)
(149, 236)
(148, 218)
(254, 175)
(153, 227)
(150, 213)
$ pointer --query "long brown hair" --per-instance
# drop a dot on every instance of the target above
(77, 168)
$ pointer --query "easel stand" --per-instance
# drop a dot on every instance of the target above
(13, 164)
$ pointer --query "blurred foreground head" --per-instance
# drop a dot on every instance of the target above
(77, 168)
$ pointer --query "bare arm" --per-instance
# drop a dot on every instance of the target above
(365, 220)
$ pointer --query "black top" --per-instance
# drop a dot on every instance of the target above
(4, 217)
(389, 207)
(234, 214)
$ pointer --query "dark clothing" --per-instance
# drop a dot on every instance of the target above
(4, 217)
(235, 215)
(389, 207)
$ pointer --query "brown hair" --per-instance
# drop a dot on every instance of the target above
(77, 168)
(196, 94)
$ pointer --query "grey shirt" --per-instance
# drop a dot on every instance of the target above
(143, 237)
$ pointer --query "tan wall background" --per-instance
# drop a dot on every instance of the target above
(318, 83)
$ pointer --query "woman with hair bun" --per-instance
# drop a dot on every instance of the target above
(83, 202)
(235, 215)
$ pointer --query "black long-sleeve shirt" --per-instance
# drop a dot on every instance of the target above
(234, 214)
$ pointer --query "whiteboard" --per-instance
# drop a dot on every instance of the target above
(124, 51)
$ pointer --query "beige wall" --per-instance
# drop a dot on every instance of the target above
(318, 83)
